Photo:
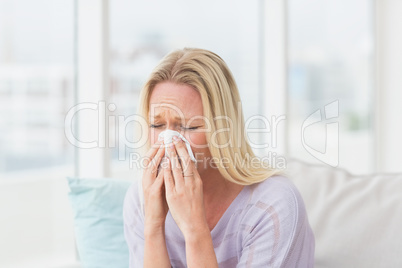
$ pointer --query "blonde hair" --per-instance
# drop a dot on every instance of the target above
(209, 75)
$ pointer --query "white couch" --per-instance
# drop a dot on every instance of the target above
(357, 220)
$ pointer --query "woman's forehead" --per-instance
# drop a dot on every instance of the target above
(174, 90)
(169, 98)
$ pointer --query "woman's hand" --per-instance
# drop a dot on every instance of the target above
(156, 206)
(184, 191)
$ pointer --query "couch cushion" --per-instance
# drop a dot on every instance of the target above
(357, 220)
(98, 221)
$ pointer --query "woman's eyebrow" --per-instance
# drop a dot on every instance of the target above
(178, 118)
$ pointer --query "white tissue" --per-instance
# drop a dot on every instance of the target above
(167, 137)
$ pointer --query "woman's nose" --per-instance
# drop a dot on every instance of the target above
(174, 127)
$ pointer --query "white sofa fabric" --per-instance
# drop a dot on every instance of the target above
(357, 220)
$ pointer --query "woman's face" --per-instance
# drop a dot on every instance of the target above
(179, 107)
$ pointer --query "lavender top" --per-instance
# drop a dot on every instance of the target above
(266, 225)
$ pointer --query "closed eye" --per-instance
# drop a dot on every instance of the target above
(185, 128)
(155, 126)
(189, 128)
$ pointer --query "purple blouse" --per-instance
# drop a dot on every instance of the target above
(266, 225)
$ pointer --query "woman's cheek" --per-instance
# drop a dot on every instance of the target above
(153, 135)
(197, 140)
(198, 145)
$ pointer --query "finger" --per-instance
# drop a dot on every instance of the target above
(186, 162)
(175, 166)
(158, 181)
(151, 153)
(150, 171)
(167, 176)
(155, 162)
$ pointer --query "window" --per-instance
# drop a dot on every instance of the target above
(36, 84)
(330, 66)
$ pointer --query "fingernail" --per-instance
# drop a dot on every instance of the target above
(171, 145)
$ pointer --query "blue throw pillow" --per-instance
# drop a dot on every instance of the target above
(98, 221)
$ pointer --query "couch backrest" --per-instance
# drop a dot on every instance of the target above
(357, 220)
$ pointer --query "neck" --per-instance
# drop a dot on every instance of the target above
(215, 184)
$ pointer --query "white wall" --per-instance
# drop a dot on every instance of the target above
(36, 222)
(389, 85)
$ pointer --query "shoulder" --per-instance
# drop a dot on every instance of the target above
(132, 194)
(276, 200)
(276, 190)
(133, 204)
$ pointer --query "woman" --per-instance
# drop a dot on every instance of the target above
(225, 209)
